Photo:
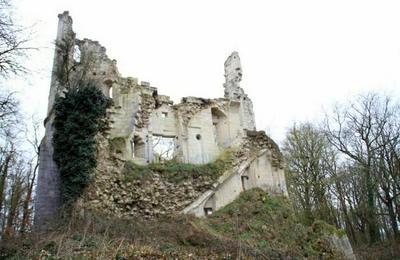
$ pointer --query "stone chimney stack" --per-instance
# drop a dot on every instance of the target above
(233, 91)
(233, 76)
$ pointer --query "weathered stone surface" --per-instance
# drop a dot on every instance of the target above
(47, 201)
(198, 129)
(257, 164)
(153, 196)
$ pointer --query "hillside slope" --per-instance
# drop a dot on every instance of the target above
(255, 225)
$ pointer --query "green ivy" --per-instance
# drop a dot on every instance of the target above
(79, 116)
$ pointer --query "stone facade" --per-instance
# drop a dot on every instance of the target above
(147, 127)
(198, 128)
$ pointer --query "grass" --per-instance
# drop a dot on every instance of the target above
(254, 226)
(178, 172)
(268, 224)
(101, 237)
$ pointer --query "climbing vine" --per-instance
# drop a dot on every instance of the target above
(79, 116)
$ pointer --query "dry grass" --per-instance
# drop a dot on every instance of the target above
(255, 226)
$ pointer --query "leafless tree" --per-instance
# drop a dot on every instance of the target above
(308, 156)
(30, 176)
(353, 130)
(14, 41)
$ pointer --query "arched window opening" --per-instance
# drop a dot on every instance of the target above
(77, 54)
(110, 92)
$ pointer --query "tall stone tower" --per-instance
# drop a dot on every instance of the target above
(233, 91)
(47, 200)
(70, 70)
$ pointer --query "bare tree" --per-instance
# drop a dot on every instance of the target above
(14, 199)
(356, 131)
(308, 156)
(13, 42)
(31, 173)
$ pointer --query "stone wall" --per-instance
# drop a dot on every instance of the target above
(201, 130)
(150, 192)
(125, 194)
(47, 200)
(258, 164)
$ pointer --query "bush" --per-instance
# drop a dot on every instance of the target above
(79, 116)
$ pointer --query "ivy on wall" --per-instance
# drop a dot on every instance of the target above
(79, 116)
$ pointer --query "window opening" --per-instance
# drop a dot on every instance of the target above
(244, 181)
(163, 148)
(77, 54)
(138, 148)
(110, 92)
(133, 148)
(208, 211)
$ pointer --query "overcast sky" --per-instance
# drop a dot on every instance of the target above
(298, 57)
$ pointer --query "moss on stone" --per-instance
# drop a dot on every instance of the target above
(178, 172)
(134, 172)
(117, 144)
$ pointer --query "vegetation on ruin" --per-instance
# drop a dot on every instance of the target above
(255, 225)
(269, 225)
(178, 172)
(117, 144)
(79, 116)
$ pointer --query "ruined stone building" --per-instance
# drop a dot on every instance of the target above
(147, 127)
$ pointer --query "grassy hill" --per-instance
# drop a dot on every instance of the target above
(255, 225)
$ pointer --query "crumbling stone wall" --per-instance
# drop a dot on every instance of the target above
(258, 164)
(114, 192)
(233, 91)
(156, 194)
(201, 129)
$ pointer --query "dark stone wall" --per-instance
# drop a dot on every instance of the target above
(48, 196)
(47, 201)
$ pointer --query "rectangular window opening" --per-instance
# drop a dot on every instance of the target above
(164, 114)
(244, 181)
(208, 211)
(163, 148)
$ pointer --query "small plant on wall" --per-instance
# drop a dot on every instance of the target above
(79, 116)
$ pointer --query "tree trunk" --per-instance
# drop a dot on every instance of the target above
(372, 222)
(3, 178)
(392, 217)
(12, 213)
(26, 209)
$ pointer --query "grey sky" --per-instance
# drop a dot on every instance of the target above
(297, 56)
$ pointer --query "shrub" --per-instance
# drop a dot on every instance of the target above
(79, 116)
